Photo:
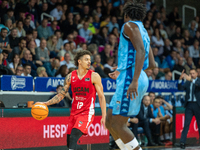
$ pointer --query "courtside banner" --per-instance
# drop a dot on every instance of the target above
(26, 132)
(16, 83)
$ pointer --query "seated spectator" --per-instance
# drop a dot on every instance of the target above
(91, 26)
(9, 25)
(93, 50)
(19, 70)
(27, 70)
(19, 49)
(194, 52)
(158, 41)
(67, 61)
(105, 22)
(13, 39)
(61, 103)
(148, 122)
(178, 48)
(169, 61)
(62, 72)
(57, 11)
(43, 30)
(179, 67)
(52, 67)
(14, 63)
(85, 32)
(152, 96)
(109, 64)
(96, 23)
(105, 53)
(155, 73)
(4, 59)
(59, 44)
(70, 38)
(37, 41)
(188, 41)
(41, 72)
(197, 36)
(42, 51)
(53, 27)
(192, 29)
(162, 31)
(149, 73)
(20, 30)
(175, 17)
(27, 27)
(189, 65)
(97, 62)
(112, 40)
(101, 38)
(4, 40)
(32, 24)
(198, 72)
(26, 60)
(9, 15)
(51, 46)
(66, 50)
(29, 37)
(156, 57)
(167, 48)
(168, 76)
(31, 48)
(113, 23)
(77, 38)
(171, 29)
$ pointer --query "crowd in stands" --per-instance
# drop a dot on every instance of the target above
(33, 44)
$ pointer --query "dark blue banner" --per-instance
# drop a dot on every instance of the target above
(16, 83)
(43, 84)
(109, 85)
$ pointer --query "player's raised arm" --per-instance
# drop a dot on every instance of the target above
(61, 95)
(96, 79)
(133, 32)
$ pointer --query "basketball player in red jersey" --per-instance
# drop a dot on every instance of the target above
(84, 85)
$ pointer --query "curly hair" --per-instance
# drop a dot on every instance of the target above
(79, 55)
(135, 10)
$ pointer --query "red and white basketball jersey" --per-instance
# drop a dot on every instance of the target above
(83, 94)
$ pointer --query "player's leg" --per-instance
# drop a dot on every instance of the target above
(73, 139)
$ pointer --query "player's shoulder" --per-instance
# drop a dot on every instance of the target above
(95, 77)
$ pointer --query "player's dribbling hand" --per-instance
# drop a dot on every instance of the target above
(114, 74)
(132, 90)
(103, 122)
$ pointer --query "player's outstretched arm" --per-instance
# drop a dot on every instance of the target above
(133, 32)
(61, 95)
(96, 80)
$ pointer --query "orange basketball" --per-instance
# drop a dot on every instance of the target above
(39, 111)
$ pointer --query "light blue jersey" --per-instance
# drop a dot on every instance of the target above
(126, 66)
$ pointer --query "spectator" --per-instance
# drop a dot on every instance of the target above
(66, 50)
(77, 38)
(41, 72)
(186, 55)
(171, 29)
(3, 8)
(105, 53)
(19, 49)
(158, 41)
(97, 62)
(51, 46)
(113, 23)
(51, 68)
(174, 17)
(70, 38)
(162, 31)
(93, 50)
(59, 45)
(197, 36)
(189, 65)
(169, 61)
(4, 41)
(86, 12)
(192, 29)
(147, 121)
(168, 76)
(67, 61)
(4, 60)
(14, 63)
(198, 72)
(20, 30)
(156, 57)
(9, 15)
(57, 12)
(96, 23)
(149, 73)
(194, 51)
(29, 37)
(27, 70)
(42, 51)
(179, 67)
(32, 47)
(62, 72)
(167, 48)
(188, 41)
(19, 70)
(9, 25)
(32, 24)
(109, 64)
(152, 97)
(116, 33)
(108, 10)
(178, 48)
(51, 5)
(85, 33)
(25, 60)
(91, 26)
(13, 39)
(53, 27)
(43, 30)
(105, 21)
(32, 9)
(61, 103)
(37, 41)
(112, 40)
(177, 36)
(27, 27)
(43, 9)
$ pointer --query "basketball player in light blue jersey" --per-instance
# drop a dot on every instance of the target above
(134, 56)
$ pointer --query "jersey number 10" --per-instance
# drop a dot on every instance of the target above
(79, 105)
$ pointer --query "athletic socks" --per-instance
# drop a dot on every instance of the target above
(167, 136)
(120, 144)
(132, 144)
(161, 137)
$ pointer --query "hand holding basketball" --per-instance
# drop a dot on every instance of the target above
(39, 111)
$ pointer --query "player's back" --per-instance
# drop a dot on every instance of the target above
(126, 51)
(83, 94)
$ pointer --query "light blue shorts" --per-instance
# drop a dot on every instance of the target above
(119, 104)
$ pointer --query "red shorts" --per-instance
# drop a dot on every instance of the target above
(81, 122)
